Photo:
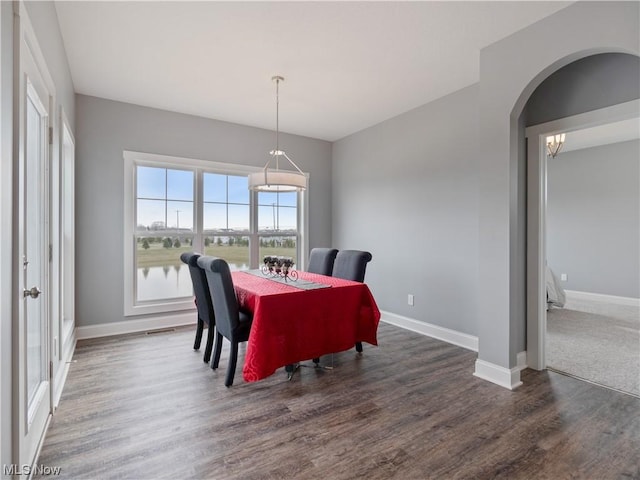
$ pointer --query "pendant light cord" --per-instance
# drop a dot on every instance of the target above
(275, 180)
(277, 121)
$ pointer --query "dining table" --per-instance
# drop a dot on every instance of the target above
(301, 319)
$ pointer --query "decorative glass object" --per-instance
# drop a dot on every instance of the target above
(277, 266)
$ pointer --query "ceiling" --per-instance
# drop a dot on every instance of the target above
(614, 132)
(347, 65)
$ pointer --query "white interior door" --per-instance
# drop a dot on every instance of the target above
(33, 332)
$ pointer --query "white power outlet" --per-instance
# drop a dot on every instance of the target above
(563, 277)
(410, 299)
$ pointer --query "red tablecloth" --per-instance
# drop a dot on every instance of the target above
(292, 325)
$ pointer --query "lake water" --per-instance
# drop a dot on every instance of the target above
(161, 283)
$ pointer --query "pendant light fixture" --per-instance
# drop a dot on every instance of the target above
(554, 144)
(275, 179)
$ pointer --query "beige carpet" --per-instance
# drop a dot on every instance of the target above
(600, 344)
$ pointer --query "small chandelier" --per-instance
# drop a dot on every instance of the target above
(274, 179)
(554, 144)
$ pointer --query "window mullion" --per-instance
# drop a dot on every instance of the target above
(166, 200)
(226, 197)
(253, 229)
(198, 207)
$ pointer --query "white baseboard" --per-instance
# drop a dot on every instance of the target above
(454, 337)
(601, 298)
(61, 376)
(505, 377)
(135, 326)
(521, 360)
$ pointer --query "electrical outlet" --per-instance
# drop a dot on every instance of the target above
(563, 277)
(410, 300)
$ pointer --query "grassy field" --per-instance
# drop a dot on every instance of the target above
(158, 256)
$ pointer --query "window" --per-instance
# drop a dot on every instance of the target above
(174, 205)
(164, 229)
(226, 219)
(278, 223)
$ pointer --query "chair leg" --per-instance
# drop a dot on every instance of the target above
(291, 369)
(231, 368)
(217, 351)
(359, 347)
(316, 364)
(199, 328)
(209, 346)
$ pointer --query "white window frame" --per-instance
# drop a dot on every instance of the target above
(134, 159)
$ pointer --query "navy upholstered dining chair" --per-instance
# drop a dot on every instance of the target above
(231, 323)
(203, 303)
(321, 260)
(352, 265)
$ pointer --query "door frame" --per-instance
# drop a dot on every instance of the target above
(27, 50)
(536, 215)
(63, 338)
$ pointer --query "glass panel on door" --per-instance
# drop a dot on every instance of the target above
(33, 218)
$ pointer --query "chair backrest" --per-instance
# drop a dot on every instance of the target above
(351, 265)
(200, 287)
(225, 303)
(321, 260)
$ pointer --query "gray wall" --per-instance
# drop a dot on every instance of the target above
(6, 253)
(406, 191)
(593, 218)
(438, 194)
(106, 128)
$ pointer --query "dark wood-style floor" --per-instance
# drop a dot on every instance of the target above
(147, 407)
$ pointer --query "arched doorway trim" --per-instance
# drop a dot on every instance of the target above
(510, 70)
